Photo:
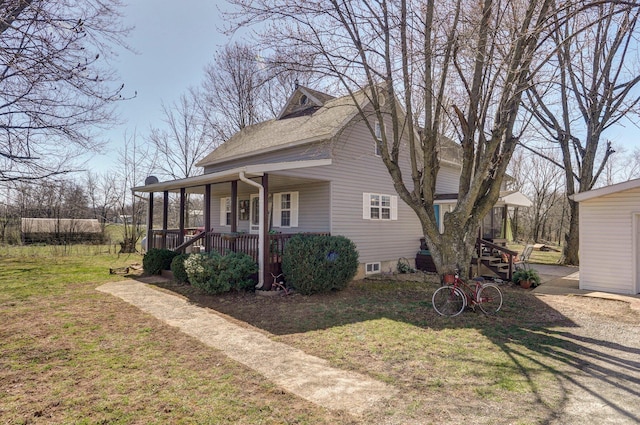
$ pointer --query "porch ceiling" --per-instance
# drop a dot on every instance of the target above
(514, 199)
(196, 184)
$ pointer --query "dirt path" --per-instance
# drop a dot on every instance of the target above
(306, 376)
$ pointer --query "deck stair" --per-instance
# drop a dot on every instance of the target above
(496, 265)
(492, 257)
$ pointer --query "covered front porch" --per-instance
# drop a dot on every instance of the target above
(244, 200)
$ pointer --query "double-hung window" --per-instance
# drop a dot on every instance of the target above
(377, 206)
(225, 211)
(285, 209)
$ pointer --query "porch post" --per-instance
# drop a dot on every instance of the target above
(264, 249)
(234, 206)
(207, 218)
(165, 218)
(150, 243)
(181, 219)
(505, 218)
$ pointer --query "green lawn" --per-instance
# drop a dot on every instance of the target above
(70, 354)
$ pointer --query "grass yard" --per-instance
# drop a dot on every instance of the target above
(70, 354)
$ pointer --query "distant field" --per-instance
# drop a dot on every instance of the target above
(541, 257)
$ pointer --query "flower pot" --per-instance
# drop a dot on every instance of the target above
(449, 278)
(526, 284)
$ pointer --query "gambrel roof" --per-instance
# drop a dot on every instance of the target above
(308, 116)
(290, 130)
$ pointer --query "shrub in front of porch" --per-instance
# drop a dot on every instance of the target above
(157, 259)
(177, 268)
(214, 273)
(313, 263)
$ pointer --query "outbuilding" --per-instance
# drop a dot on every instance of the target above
(610, 238)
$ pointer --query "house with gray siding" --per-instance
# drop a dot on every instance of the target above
(313, 169)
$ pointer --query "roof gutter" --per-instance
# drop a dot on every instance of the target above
(261, 224)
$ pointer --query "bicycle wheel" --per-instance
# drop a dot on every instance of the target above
(489, 298)
(448, 301)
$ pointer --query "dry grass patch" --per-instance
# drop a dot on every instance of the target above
(69, 354)
(389, 331)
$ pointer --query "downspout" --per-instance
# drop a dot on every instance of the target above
(261, 227)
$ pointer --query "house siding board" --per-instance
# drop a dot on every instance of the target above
(313, 207)
(448, 179)
(356, 170)
(607, 260)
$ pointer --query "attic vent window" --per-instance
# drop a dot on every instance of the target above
(304, 100)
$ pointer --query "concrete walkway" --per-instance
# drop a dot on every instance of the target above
(306, 376)
(564, 280)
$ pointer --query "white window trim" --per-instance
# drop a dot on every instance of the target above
(378, 138)
(376, 267)
(366, 207)
(445, 207)
(254, 228)
(277, 209)
(224, 211)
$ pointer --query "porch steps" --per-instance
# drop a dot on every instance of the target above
(496, 265)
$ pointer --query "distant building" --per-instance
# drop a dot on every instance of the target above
(60, 230)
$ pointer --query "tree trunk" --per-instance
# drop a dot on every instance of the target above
(128, 246)
(455, 248)
(571, 243)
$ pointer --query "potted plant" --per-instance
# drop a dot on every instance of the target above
(526, 278)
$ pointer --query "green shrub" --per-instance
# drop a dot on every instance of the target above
(237, 268)
(177, 268)
(199, 268)
(314, 264)
(157, 259)
(214, 273)
(528, 274)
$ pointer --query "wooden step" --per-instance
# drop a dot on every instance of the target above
(491, 259)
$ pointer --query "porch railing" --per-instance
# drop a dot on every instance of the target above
(224, 242)
(170, 239)
(248, 243)
(486, 248)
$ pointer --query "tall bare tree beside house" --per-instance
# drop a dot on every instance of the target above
(56, 86)
(185, 138)
(590, 86)
(134, 167)
(101, 191)
(467, 62)
(232, 90)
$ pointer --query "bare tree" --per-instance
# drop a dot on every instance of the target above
(590, 88)
(546, 188)
(622, 166)
(101, 191)
(466, 62)
(231, 88)
(186, 137)
(56, 88)
(133, 160)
